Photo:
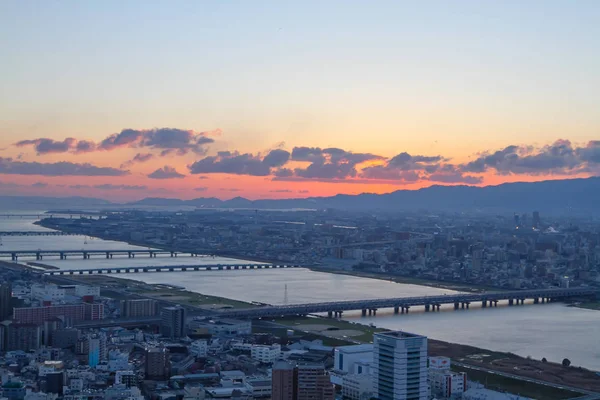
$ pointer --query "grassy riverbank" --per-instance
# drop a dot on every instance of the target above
(120, 289)
(591, 305)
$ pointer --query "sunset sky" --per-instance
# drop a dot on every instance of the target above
(275, 99)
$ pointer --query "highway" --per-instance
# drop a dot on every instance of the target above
(404, 303)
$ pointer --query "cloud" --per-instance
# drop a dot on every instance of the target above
(230, 190)
(39, 185)
(559, 158)
(165, 172)
(79, 186)
(203, 177)
(227, 162)
(276, 158)
(325, 164)
(45, 146)
(109, 186)
(303, 191)
(167, 140)
(63, 168)
(280, 191)
(201, 189)
(138, 158)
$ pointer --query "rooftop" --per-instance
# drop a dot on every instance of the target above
(399, 335)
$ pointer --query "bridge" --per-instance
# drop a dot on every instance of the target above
(403, 304)
(167, 268)
(88, 253)
(37, 233)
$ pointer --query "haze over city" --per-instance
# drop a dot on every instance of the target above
(281, 99)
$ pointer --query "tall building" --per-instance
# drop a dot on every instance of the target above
(314, 383)
(400, 365)
(138, 308)
(5, 300)
(173, 322)
(300, 382)
(536, 219)
(93, 351)
(158, 365)
(283, 381)
(24, 337)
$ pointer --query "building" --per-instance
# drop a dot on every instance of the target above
(127, 378)
(93, 351)
(351, 360)
(314, 383)
(443, 382)
(199, 348)
(24, 337)
(266, 354)
(138, 308)
(400, 366)
(357, 386)
(65, 338)
(284, 381)
(221, 326)
(173, 324)
(158, 365)
(260, 388)
(536, 219)
(300, 382)
(5, 300)
(70, 312)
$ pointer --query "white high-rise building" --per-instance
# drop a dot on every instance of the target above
(400, 365)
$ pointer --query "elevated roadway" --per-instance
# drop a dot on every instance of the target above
(403, 304)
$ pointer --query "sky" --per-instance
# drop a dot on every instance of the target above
(281, 99)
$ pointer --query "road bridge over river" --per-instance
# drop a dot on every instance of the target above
(168, 268)
(86, 254)
(403, 304)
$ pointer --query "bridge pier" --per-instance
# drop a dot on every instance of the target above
(38, 256)
(510, 302)
(374, 312)
(456, 305)
(427, 307)
(536, 300)
(330, 314)
(438, 306)
(495, 303)
(396, 309)
(484, 304)
(364, 312)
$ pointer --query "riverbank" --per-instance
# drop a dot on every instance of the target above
(121, 288)
(334, 330)
(457, 286)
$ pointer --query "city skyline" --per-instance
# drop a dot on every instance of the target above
(289, 100)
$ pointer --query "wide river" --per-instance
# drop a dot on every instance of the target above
(554, 331)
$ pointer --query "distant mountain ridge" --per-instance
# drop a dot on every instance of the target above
(568, 195)
(555, 195)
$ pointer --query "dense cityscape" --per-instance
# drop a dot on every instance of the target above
(83, 337)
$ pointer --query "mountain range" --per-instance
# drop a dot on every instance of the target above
(568, 195)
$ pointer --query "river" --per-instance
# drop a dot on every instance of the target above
(554, 331)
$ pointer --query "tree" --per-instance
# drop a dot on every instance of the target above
(544, 360)
(566, 362)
